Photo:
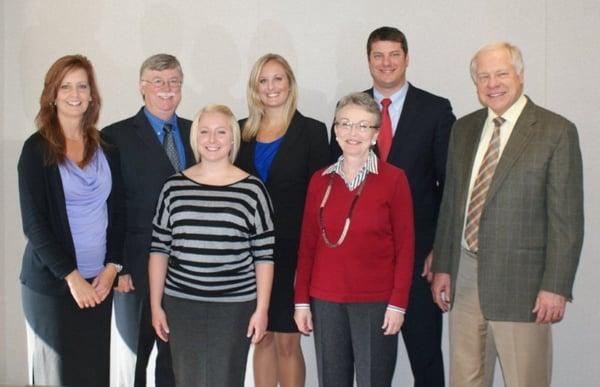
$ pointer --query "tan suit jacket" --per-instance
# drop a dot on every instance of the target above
(531, 228)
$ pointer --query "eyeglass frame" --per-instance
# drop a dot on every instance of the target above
(159, 83)
(360, 127)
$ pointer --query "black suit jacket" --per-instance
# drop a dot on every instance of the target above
(50, 253)
(420, 147)
(304, 150)
(144, 166)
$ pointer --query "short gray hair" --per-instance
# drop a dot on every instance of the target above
(363, 101)
(513, 51)
(160, 62)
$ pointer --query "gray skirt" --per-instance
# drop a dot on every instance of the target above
(69, 346)
(208, 340)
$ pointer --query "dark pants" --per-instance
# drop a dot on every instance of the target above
(208, 341)
(422, 334)
(134, 325)
(71, 346)
(349, 338)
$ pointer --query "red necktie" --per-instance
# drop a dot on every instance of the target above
(384, 140)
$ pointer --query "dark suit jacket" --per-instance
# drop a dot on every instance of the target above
(50, 253)
(531, 228)
(304, 150)
(419, 147)
(144, 166)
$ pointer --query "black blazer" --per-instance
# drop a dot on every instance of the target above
(144, 166)
(304, 150)
(420, 147)
(50, 253)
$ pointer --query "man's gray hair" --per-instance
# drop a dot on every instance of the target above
(513, 51)
(160, 62)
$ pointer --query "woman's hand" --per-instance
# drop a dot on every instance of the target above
(257, 327)
(303, 318)
(392, 322)
(159, 323)
(104, 281)
(82, 292)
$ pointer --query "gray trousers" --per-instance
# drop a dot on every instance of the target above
(349, 338)
(208, 340)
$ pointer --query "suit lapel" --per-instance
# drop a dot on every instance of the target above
(468, 150)
(184, 130)
(146, 133)
(287, 146)
(407, 114)
(517, 142)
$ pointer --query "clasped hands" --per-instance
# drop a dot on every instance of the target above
(88, 295)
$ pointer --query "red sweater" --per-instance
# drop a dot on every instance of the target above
(375, 261)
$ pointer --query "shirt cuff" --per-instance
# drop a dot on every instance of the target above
(397, 309)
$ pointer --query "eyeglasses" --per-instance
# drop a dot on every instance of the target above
(159, 83)
(362, 127)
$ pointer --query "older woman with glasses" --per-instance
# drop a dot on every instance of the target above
(356, 255)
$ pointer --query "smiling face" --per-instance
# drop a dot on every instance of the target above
(499, 86)
(161, 100)
(273, 85)
(215, 137)
(387, 64)
(353, 140)
(73, 95)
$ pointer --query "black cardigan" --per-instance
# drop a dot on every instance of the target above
(50, 253)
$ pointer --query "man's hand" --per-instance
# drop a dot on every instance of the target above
(125, 284)
(427, 268)
(441, 290)
(550, 307)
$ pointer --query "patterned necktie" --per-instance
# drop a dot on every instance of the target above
(384, 141)
(482, 186)
(170, 148)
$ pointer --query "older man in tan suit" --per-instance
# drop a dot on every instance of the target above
(510, 228)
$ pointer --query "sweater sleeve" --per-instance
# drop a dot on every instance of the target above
(116, 230)
(308, 240)
(404, 241)
(262, 242)
(161, 225)
(35, 213)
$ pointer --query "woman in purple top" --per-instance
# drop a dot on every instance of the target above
(72, 212)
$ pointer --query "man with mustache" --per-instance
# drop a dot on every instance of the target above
(153, 145)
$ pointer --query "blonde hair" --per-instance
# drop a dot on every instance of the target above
(233, 125)
(256, 109)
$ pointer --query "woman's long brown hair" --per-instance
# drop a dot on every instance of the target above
(47, 118)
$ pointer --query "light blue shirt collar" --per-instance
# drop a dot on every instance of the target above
(397, 104)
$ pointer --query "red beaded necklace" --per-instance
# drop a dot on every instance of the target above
(348, 218)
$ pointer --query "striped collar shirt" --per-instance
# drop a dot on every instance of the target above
(370, 166)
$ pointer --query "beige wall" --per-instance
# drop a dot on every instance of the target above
(217, 42)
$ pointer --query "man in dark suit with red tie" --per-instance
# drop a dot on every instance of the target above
(413, 136)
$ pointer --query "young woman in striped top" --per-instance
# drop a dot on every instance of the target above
(211, 260)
